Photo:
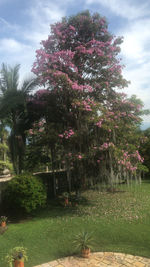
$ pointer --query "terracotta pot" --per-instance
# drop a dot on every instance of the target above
(3, 224)
(85, 253)
(18, 263)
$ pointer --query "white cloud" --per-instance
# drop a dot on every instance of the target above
(139, 83)
(42, 14)
(13, 52)
(11, 46)
(136, 41)
(36, 37)
(125, 9)
(136, 55)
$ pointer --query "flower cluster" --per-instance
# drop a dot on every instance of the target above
(38, 127)
(129, 160)
(99, 123)
(105, 146)
(67, 134)
(127, 164)
(137, 156)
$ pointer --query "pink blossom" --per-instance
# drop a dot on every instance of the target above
(99, 123)
(72, 28)
(75, 86)
(40, 123)
(31, 131)
(61, 135)
(41, 130)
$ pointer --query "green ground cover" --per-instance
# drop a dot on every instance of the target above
(119, 221)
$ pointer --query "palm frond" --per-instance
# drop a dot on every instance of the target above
(14, 71)
(9, 78)
(4, 81)
(83, 240)
(28, 85)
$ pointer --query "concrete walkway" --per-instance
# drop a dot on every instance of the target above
(100, 259)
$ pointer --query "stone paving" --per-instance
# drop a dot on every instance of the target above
(100, 259)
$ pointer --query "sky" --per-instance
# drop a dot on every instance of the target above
(24, 23)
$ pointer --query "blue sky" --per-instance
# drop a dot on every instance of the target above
(23, 24)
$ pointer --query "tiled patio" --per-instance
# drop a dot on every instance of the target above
(100, 259)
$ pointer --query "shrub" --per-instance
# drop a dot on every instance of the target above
(25, 192)
(5, 165)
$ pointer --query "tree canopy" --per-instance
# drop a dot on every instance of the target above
(13, 108)
(79, 119)
(95, 124)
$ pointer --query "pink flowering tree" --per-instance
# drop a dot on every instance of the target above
(79, 65)
(116, 149)
(145, 149)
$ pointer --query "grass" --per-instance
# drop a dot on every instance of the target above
(119, 221)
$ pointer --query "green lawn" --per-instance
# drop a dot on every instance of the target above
(119, 221)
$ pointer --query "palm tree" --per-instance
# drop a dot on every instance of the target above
(13, 108)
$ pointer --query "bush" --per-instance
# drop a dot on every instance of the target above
(25, 192)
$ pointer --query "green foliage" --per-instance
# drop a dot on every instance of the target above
(36, 158)
(3, 219)
(3, 147)
(25, 192)
(4, 150)
(17, 253)
(5, 164)
(65, 195)
(13, 111)
(143, 168)
(145, 148)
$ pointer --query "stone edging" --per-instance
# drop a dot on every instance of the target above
(100, 259)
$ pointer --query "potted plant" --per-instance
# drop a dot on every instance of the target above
(74, 201)
(66, 198)
(3, 220)
(83, 241)
(16, 257)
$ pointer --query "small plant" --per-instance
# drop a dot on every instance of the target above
(83, 240)
(74, 200)
(16, 254)
(3, 219)
(66, 198)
